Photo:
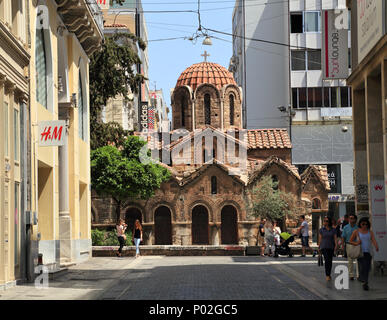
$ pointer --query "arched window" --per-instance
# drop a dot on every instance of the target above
(207, 108)
(214, 187)
(81, 110)
(183, 111)
(275, 182)
(232, 110)
(41, 67)
(316, 204)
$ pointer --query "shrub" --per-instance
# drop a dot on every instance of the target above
(97, 237)
(108, 238)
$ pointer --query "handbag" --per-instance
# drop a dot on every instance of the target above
(353, 252)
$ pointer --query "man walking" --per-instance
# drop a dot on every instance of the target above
(304, 232)
(346, 235)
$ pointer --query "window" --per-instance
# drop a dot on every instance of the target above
(294, 98)
(275, 182)
(302, 97)
(298, 60)
(231, 110)
(314, 59)
(334, 97)
(344, 97)
(17, 220)
(315, 97)
(82, 111)
(16, 133)
(327, 97)
(296, 22)
(41, 68)
(182, 112)
(312, 21)
(213, 185)
(316, 203)
(6, 129)
(207, 108)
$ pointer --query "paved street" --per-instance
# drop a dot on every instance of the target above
(207, 278)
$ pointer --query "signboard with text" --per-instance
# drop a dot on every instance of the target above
(378, 214)
(335, 44)
(369, 25)
(52, 133)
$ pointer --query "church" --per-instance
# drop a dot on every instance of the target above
(214, 164)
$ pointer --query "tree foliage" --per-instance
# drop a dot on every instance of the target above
(103, 134)
(271, 203)
(121, 175)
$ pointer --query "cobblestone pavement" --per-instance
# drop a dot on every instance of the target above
(198, 278)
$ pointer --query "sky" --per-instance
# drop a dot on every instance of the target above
(168, 59)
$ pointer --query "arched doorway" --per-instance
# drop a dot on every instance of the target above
(163, 226)
(132, 214)
(229, 227)
(200, 231)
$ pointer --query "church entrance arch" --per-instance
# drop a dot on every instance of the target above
(131, 215)
(200, 230)
(163, 226)
(229, 226)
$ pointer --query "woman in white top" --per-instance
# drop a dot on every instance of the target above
(277, 232)
(121, 227)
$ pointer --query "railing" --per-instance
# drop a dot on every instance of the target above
(96, 12)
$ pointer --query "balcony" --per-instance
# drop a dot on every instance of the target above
(83, 18)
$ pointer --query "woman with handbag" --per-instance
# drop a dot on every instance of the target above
(327, 245)
(364, 237)
(121, 227)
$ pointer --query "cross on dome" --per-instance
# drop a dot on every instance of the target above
(205, 55)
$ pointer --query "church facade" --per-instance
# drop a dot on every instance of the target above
(214, 165)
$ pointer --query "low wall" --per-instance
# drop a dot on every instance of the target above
(231, 250)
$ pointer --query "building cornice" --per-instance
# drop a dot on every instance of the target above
(13, 46)
(84, 19)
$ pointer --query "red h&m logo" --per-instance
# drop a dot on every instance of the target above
(102, 2)
(378, 187)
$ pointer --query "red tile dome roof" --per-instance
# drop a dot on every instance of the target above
(205, 72)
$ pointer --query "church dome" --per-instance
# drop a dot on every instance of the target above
(205, 72)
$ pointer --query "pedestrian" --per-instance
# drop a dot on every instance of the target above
(364, 236)
(327, 245)
(346, 236)
(121, 227)
(137, 236)
(303, 231)
(269, 238)
(277, 232)
(261, 236)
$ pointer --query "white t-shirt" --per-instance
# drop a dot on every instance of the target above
(305, 229)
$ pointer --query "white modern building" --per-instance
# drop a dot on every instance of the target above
(260, 68)
(317, 112)
(161, 111)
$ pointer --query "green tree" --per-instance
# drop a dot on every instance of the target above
(112, 73)
(267, 201)
(121, 175)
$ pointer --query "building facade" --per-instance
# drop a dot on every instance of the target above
(321, 110)
(207, 199)
(160, 110)
(261, 68)
(128, 18)
(63, 36)
(368, 81)
(317, 112)
(15, 197)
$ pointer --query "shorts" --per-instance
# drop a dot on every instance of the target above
(305, 241)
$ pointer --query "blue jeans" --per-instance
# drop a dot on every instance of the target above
(137, 244)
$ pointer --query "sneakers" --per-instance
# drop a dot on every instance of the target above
(365, 286)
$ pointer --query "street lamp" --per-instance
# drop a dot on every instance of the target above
(207, 41)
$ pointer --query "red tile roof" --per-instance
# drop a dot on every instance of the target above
(268, 139)
(205, 72)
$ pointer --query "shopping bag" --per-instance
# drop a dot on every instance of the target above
(320, 260)
(353, 252)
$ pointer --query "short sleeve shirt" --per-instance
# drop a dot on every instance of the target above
(347, 232)
(328, 238)
(305, 229)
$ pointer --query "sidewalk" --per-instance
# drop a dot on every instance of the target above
(312, 277)
(85, 281)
